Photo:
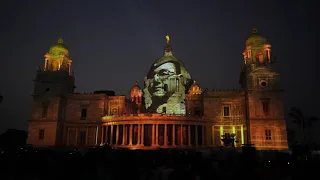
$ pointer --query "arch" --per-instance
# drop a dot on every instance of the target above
(54, 65)
(260, 57)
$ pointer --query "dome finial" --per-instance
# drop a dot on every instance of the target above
(168, 38)
(168, 48)
(254, 30)
(60, 40)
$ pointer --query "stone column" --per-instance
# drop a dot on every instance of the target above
(126, 129)
(106, 135)
(139, 136)
(87, 137)
(173, 135)
(142, 134)
(45, 64)
(111, 135)
(203, 136)
(268, 54)
(196, 132)
(117, 135)
(153, 134)
(130, 136)
(212, 129)
(69, 68)
(102, 135)
(165, 135)
(189, 135)
(123, 134)
(68, 134)
(77, 134)
(157, 134)
(181, 135)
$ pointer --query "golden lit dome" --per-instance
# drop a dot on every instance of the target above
(195, 88)
(135, 90)
(59, 48)
(255, 38)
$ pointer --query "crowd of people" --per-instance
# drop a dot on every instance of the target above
(113, 164)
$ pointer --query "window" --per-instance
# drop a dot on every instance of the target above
(83, 114)
(265, 106)
(164, 109)
(268, 134)
(41, 134)
(197, 111)
(82, 137)
(263, 83)
(44, 109)
(226, 111)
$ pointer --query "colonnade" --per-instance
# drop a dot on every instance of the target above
(158, 135)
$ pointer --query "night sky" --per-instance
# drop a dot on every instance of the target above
(113, 44)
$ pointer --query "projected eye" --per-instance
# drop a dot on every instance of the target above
(165, 73)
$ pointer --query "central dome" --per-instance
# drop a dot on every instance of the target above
(166, 61)
(166, 84)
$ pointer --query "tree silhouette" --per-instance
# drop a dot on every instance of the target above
(302, 120)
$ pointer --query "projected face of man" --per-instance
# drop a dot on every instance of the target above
(162, 74)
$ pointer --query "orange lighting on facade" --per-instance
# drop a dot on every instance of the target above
(170, 111)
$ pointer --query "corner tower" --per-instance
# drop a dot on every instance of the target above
(53, 84)
(136, 97)
(166, 84)
(56, 78)
(57, 58)
(264, 97)
(257, 71)
(194, 103)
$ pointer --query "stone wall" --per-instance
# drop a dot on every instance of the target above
(52, 113)
(50, 133)
(215, 101)
(194, 104)
(278, 140)
(276, 109)
(94, 103)
(273, 121)
(47, 121)
(97, 105)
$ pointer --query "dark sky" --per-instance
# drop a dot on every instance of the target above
(113, 44)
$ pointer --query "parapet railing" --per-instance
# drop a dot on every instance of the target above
(151, 116)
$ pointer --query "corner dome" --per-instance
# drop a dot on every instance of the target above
(59, 48)
(135, 90)
(195, 89)
(255, 38)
